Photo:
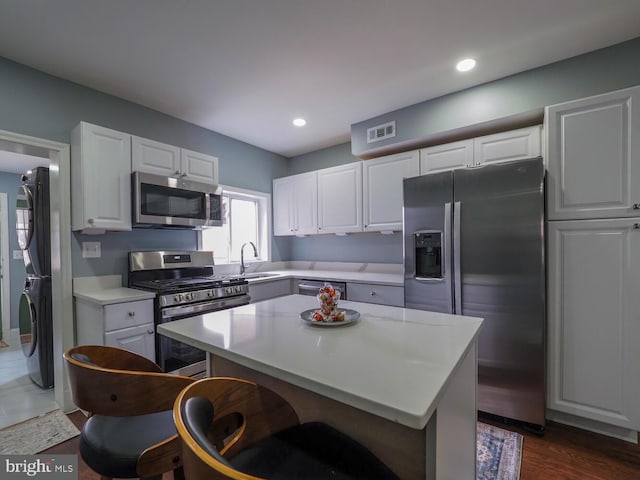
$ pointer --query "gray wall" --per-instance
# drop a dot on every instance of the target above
(40, 105)
(596, 72)
(9, 184)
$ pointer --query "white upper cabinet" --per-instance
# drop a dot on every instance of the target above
(340, 199)
(170, 161)
(100, 179)
(382, 189)
(507, 146)
(594, 156)
(446, 157)
(594, 332)
(295, 204)
(154, 157)
(199, 167)
(498, 147)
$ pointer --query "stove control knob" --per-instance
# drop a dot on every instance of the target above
(211, 293)
(177, 298)
(238, 288)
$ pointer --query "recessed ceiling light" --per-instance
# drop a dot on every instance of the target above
(465, 65)
(299, 122)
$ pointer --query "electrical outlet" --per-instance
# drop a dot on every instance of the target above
(17, 254)
(91, 250)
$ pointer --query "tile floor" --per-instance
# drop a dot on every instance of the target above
(20, 398)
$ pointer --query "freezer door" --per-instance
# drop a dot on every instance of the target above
(427, 211)
(501, 241)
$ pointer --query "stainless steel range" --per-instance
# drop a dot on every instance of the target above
(185, 286)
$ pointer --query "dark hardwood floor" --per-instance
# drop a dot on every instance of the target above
(562, 453)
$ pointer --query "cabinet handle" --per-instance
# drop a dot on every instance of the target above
(372, 293)
(636, 226)
(91, 220)
(182, 175)
(177, 172)
(150, 331)
(132, 314)
(636, 206)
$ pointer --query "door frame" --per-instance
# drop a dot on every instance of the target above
(61, 272)
(5, 268)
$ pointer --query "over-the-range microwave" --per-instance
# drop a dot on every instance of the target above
(161, 201)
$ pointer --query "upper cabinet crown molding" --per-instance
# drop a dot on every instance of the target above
(593, 155)
(162, 159)
(100, 179)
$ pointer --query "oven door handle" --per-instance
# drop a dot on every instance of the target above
(206, 307)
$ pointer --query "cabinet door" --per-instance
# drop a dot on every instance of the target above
(199, 167)
(140, 340)
(154, 157)
(594, 332)
(594, 156)
(506, 146)
(283, 223)
(340, 199)
(446, 157)
(101, 179)
(305, 203)
(382, 189)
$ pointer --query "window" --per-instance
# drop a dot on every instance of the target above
(246, 218)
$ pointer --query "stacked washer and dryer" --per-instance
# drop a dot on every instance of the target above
(34, 237)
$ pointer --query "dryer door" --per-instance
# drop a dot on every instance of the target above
(27, 322)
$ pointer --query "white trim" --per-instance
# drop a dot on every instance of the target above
(5, 268)
(61, 274)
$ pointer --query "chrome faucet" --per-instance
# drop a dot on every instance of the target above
(255, 254)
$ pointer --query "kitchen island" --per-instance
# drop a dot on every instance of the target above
(400, 381)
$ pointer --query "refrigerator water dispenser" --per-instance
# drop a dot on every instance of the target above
(428, 247)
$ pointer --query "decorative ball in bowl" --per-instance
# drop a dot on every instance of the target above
(328, 298)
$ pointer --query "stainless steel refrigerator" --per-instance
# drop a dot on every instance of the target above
(474, 245)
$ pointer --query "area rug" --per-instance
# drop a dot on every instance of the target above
(499, 453)
(37, 434)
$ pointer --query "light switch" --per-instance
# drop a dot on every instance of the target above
(91, 250)
(17, 254)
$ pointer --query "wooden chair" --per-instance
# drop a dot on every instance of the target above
(236, 429)
(130, 432)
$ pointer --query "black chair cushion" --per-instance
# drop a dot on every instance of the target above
(311, 451)
(198, 415)
(111, 445)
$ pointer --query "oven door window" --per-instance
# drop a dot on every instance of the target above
(161, 201)
(173, 355)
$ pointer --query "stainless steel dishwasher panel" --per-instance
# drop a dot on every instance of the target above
(311, 287)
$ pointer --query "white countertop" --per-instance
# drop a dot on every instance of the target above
(106, 290)
(394, 362)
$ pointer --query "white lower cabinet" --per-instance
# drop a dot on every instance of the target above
(270, 289)
(128, 325)
(372, 293)
(594, 321)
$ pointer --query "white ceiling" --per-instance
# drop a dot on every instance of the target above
(19, 163)
(246, 68)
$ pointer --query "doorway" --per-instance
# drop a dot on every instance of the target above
(60, 208)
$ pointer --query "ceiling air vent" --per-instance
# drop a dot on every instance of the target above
(381, 132)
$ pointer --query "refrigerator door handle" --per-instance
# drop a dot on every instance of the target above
(446, 243)
(457, 277)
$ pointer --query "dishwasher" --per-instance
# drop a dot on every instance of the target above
(311, 287)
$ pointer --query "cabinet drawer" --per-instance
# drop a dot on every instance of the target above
(271, 289)
(128, 314)
(381, 294)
